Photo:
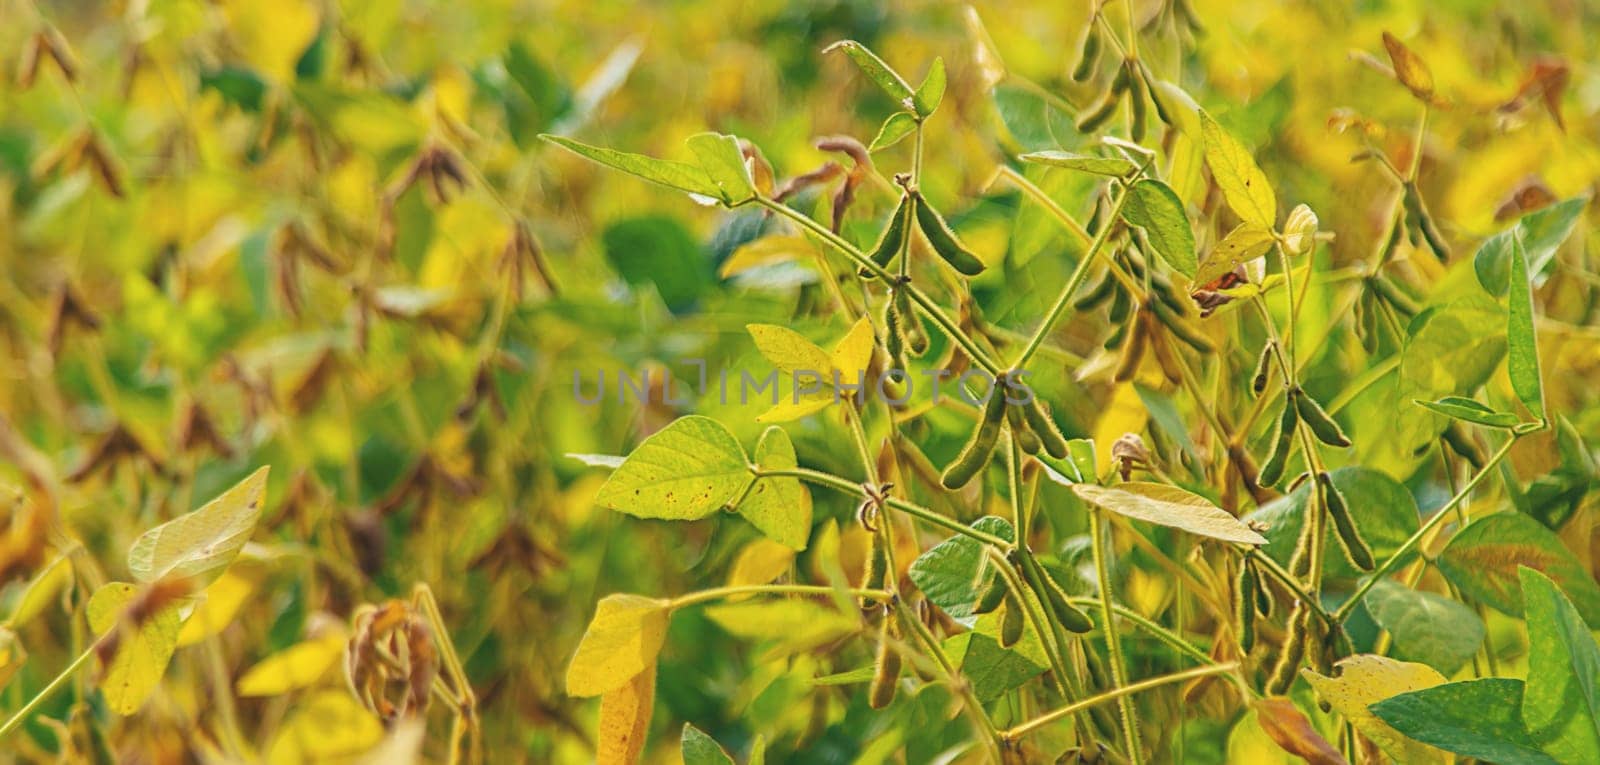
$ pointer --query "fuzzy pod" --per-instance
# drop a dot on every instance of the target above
(1244, 608)
(1099, 293)
(1435, 239)
(1121, 81)
(1401, 302)
(1322, 425)
(1293, 651)
(1163, 112)
(1121, 306)
(1138, 112)
(1355, 547)
(1133, 354)
(1167, 359)
(877, 564)
(1070, 617)
(1262, 597)
(1272, 469)
(1258, 384)
(915, 335)
(1011, 621)
(1027, 440)
(944, 241)
(1044, 426)
(975, 455)
(1095, 117)
(1180, 328)
(894, 338)
(1455, 436)
(893, 238)
(1119, 333)
(992, 596)
(886, 669)
(1088, 56)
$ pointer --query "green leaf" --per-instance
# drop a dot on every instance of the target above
(687, 470)
(1474, 718)
(1561, 700)
(876, 70)
(893, 131)
(1522, 347)
(954, 573)
(142, 650)
(1482, 559)
(658, 251)
(1169, 506)
(1115, 167)
(1542, 233)
(1429, 628)
(1383, 510)
(1243, 184)
(700, 749)
(199, 545)
(722, 160)
(780, 506)
(1244, 243)
(991, 669)
(678, 175)
(1469, 410)
(796, 624)
(1155, 207)
(931, 92)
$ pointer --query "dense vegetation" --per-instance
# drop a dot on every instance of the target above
(1146, 381)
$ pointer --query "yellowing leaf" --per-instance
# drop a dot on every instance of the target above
(1291, 730)
(1242, 182)
(760, 562)
(1169, 506)
(142, 653)
(12, 656)
(789, 409)
(298, 666)
(623, 638)
(625, 719)
(778, 505)
(789, 350)
(765, 251)
(271, 34)
(684, 471)
(1409, 68)
(44, 587)
(218, 606)
(330, 726)
(1367, 679)
(798, 625)
(199, 545)
(853, 352)
(1244, 243)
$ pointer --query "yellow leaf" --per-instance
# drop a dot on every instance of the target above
(788, 350)
(1242, 182)
(271, 34)
(1367, 679)
(764, 251)
(788, 409)
(623, 638)
(330, 726)
(1124, 413)
(44, 587)
(1244, 243)
(12, 656)
(298, 666)
(1409, 68)
(221, 602)
(854, 352)
(625, 719)
(142, 654)
(199, 545)
(760, 562)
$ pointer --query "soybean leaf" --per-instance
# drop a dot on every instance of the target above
(678, 175)
(723, 162)
(298, 666)
(1116, 167)
(796, 625)
(991, 669)
(625, 719)
(1383, 509)
(1366, 679)
(847, 677)
(1482, 559)
(220, 603)
(1522, 348)
(143, 650)
(328, 726)
(893, 131)
(1409, 68)
(199, 545)
(1169, 506)
(1291, 731)
(1244, 243)
(700, 749)
(1155, 207)
(1243, 184)
(1473, 718)
(685, 471)
(931, 92)
(789, 350)
(875, 69)
(622, 640)
(1429, 628)
(1562, 703)
(1469, 410)
(1542, 233)
(780, 506)
(953, 573)
(41, 592)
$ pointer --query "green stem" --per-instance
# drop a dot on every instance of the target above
(27, 709)
(835, 482)
(1011, 734)
(1161, 633)
(1119, 671)
(718, 593)
(962, 688)
(1076, 280)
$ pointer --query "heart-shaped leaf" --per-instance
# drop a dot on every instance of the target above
(685, 471)
(199, 545)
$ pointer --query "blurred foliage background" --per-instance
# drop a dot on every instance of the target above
(286, 232)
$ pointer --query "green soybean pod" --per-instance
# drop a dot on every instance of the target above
(1138, 112)
(1294, 649)
(992, 596)
(1096, 294)
(977, 451)
(1258, 384)
(877, 564)
(944, 241)
(1011, 621)
(911, 324)
(1091, 120)
(1180, 328)
(1043, 425)
(1244, 607)
(1263, 597)
(894, 338)
(1070, 617)
(1272, 469)
(1322, 425)
(893, 238)
(1087, 56)
(1027, 440)
(1355, 548)
(886, 670)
